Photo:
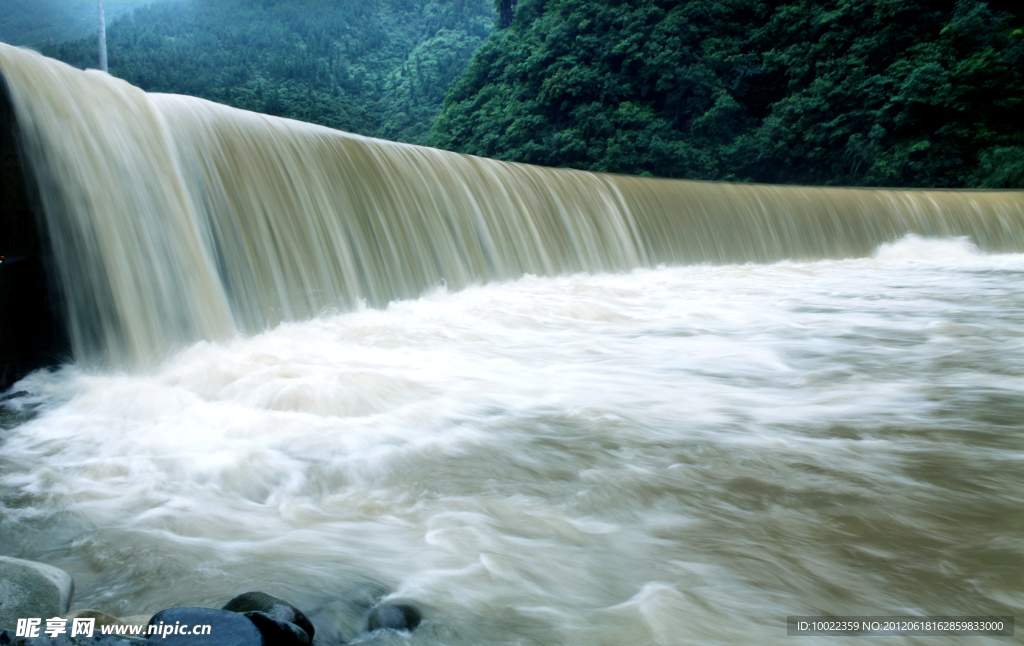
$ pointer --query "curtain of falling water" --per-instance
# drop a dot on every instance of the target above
(176, 219)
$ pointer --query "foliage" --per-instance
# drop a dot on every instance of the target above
(36, 23)
(375, 67)
(858, 92)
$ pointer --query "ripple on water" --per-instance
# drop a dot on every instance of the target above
(676, 455)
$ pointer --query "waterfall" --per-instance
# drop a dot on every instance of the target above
(174, 219)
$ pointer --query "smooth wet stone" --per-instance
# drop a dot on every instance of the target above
(393, 616)
(279, 632)
(31, 589)
(226, 628)
(278, 616)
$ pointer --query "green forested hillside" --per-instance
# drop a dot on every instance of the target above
(375, 67)
(857, 92)
(36, 23)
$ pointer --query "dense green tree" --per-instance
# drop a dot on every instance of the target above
(374, 67)
(37, 23)
(414, 92)
(609, 86)
(861, 92)
(891, 92)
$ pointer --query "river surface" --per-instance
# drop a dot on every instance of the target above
(679, 455)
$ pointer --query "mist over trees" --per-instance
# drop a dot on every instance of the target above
(854, 92)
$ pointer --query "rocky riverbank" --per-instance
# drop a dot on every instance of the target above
(35, 602)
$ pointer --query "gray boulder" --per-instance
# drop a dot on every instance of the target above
(30, 589)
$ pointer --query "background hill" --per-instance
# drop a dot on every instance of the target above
(374, 67)
(924, 93)
(35, 23)
(856, 92)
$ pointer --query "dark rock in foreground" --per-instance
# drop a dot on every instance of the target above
(39, 595)
(277, 632)
(278, 621)
(226, 628)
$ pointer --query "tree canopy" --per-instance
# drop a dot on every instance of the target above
(854, 92)
(921, 93)
(374, 67)
(37, 23)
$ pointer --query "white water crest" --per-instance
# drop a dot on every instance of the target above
(678, 455)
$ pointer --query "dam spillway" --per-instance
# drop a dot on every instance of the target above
(174, 219)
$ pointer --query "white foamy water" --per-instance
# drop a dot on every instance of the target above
(678, 455)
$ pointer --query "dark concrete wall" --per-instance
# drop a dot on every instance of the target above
(31, 333)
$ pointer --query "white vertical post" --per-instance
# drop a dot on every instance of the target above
(103, 37)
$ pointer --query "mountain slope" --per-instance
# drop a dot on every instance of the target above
(859, 92)
(374, 67)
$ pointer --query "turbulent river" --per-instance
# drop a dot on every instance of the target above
(677, 455)
(547, 407)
